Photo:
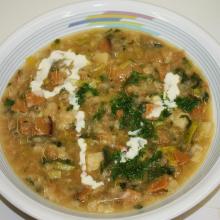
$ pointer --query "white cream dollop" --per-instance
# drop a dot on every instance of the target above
(134, 144)
(171, 89)
(73, 64)
(85, 178)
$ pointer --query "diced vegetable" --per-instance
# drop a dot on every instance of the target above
(59, 164)
(38, 127)
(105, 45)
(190, 133)
(54, 174)
(100, 113)
(134, 78)
(187, 104)
(159, 185)
(94, 160)
(181, 157)
(83, 90)
(33, 100)
(19, 106)
(132, 118)
(101, 57)
(43, 126)
(9, 102)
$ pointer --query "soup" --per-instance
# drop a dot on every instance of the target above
(106, 120)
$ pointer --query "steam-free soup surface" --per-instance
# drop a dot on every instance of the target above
(106, 120)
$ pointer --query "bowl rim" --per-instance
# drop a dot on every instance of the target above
(31, 207)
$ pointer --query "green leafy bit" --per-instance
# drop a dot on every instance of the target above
(164, 114)
(181, 72)
(134, 169)
(134, 78)
(83, 90)
(58, 164)
(103, 78)
(187, 104)
(190, 132)
(69, 108)
(138, 206)
(186, 63)
(63, 161)
(132, 118)
(157, 44)
(195, 81)
(205, 97)
(100, 113)
(57, 143)
(9, 102)
(57, 41)
(109, 157)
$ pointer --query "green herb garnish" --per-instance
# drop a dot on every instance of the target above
(100, 113)
(134, 78)
(63, 161)
(187, 104)
(83, 90)
(132, 118)
(9, 102)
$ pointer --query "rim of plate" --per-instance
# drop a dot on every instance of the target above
(168, 211)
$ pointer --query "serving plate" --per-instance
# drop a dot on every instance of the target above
(157, 21)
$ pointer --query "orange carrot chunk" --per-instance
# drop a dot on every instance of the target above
(181, 157)
(105, 45)
(159, 185)
(43, 126)
(56, 78)
(33, 100)
(19, 106)
(25, 126)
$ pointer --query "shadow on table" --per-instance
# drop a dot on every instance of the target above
(181, 217)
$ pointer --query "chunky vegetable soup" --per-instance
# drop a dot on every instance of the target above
(106, 120)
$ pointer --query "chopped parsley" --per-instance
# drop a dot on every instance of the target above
(187, 104)
(100, 113)
(132, 118)
(134, 78)
(136, 168)
(164, 114)
(9, 102)
(83, 90)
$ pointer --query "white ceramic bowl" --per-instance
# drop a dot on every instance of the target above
(134, 15)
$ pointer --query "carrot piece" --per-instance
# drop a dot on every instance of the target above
(38, 127)
(119, 113)
(56, 78)
(159, 185)
(33, 100)
(163, 136)
(149, 108)
(118, 74)
(83, 195)
(181, 157)
(19, 106)
(25, 126)
(105, 45)
(198, 112)
(43, 126)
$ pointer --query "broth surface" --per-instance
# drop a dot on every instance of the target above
(106, 120)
